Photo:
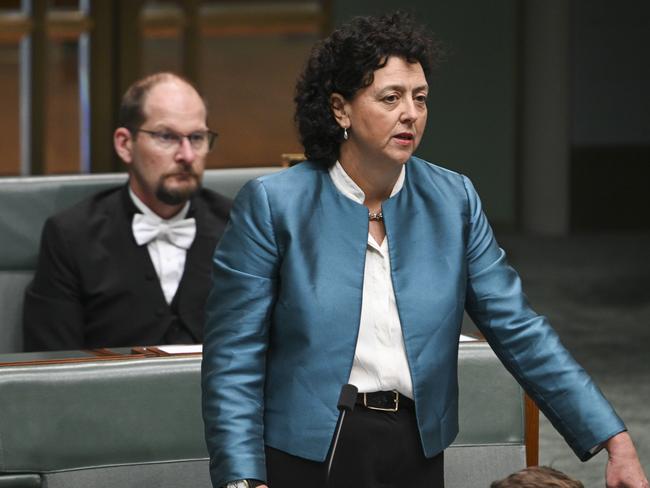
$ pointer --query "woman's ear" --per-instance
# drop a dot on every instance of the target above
(338, 105)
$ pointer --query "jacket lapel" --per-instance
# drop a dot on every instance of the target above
(198, 268)
(423, 235)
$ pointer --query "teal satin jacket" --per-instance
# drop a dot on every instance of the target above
(283, 317)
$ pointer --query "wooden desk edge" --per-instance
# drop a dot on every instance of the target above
(531, 432)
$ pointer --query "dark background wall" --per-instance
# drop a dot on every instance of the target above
(472, 112)
(610, 72)
(474, 116)
(544, 104)
(610, 107)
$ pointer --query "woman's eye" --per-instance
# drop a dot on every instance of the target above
(390, 98)
(421, 99)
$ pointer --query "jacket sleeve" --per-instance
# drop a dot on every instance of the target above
(52, 311)
(236, 339)
(527, 344)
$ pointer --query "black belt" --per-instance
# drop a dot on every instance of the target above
(385, 401)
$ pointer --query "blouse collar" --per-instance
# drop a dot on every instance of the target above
(350, 189)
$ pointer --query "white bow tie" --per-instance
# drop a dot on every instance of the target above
(180, 233)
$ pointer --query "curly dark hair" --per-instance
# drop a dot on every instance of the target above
(344, 63)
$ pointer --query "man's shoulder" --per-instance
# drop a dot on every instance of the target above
(86, 210)
(215, 203)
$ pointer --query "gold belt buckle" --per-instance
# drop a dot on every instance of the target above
(392, 409)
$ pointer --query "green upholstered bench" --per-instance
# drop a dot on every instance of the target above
(137, 423)
(492, 440)
(25, 204)
(127, 423)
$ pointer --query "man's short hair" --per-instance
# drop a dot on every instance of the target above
(537, 477)
(131, 113)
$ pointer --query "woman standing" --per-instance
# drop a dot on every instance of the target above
(355, 267)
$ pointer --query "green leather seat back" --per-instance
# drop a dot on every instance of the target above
(130, 422)
(491, 443)
(20, 481)
(104, 423)
(101, 413)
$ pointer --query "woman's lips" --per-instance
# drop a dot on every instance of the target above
(404, 138)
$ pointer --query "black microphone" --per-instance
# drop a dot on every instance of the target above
(347, 399)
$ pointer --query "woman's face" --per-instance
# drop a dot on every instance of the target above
(385, 120)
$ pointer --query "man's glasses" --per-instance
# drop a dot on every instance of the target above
(201, 140)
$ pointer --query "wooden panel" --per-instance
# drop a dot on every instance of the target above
(129, 42)
(191, 40)
(531, 432)
(34, 87)
(67, 24)
(103, 87)
(14, 26)
(62, 108)
(10, 113)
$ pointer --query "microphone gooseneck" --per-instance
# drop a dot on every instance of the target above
(347, 399)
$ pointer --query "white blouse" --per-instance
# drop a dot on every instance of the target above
(380, 362)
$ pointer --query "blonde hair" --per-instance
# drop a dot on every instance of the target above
(537, 477)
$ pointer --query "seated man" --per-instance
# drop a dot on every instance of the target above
(132, 265)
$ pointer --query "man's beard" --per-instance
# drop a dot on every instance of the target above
(177, 195)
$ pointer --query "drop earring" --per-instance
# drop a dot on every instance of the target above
(345, 133)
